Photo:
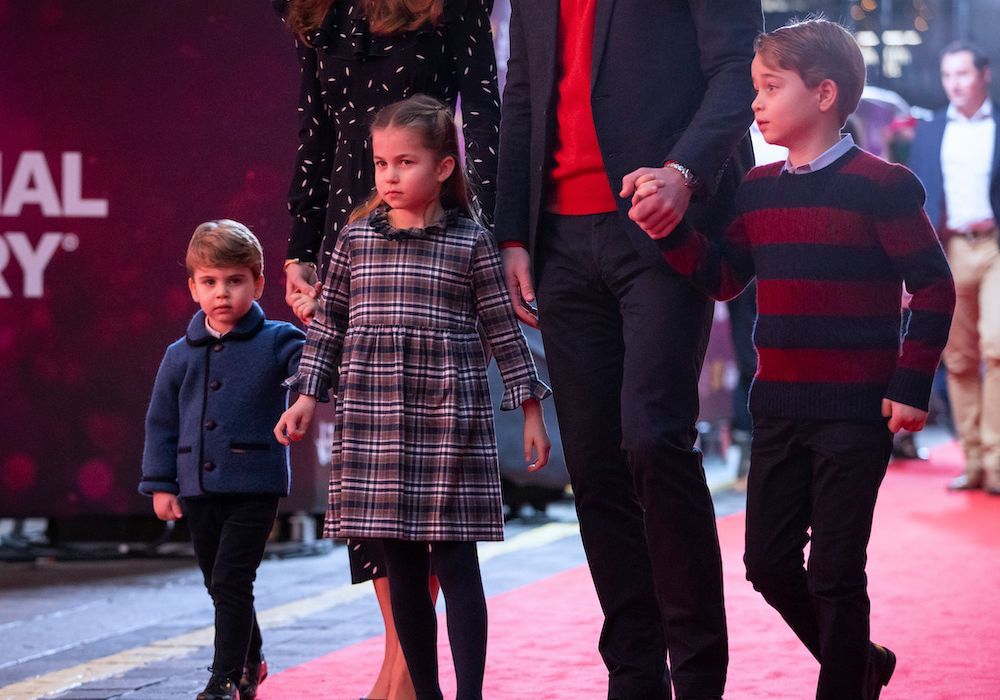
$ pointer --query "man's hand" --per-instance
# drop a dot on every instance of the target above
(167, 506)
(517, 274)
(660, 198)
(903, 417)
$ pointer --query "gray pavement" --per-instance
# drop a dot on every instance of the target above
(141, 628)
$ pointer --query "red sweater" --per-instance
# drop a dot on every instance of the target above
(578, 182)
(830, 251)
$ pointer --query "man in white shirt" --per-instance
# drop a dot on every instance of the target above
(956, 155)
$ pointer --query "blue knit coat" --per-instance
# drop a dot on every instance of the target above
(214, 406)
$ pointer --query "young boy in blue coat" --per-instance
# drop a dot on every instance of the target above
(209, 453)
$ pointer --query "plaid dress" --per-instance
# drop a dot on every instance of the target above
(414, 456)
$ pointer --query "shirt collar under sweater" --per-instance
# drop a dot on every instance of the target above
(827, 157)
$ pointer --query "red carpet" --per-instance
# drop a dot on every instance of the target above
(934, 580)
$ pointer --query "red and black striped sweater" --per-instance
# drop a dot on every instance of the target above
(831, 250)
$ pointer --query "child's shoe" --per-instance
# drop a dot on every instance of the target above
(253, 675)
(220, 687)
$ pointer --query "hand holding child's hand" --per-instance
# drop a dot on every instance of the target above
(660, 198)
(304, 306)
(294, 422)
(536, 438)
(167, 506)
(903, 417)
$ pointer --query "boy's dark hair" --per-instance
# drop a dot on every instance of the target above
(818, 49)
(224, 243)
(979, 58)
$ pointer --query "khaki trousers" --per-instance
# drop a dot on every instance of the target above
(972, 354)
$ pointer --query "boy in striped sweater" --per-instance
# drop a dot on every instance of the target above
(831, 236)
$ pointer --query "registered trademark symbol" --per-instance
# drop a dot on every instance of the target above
(70, 242)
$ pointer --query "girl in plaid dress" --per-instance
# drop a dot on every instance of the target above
(412, 280)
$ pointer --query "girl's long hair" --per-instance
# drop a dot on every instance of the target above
(434, 123)
(384, 16)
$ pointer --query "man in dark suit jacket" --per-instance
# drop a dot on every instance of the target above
(957, 157)
(603, 95)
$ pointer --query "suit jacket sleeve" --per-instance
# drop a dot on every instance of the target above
(726, 31)
(513, 198)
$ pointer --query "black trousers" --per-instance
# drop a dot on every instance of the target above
(625, 340)
(823, 476)
(456, 565)
(229, 534)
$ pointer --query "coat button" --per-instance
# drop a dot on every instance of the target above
(211, 425)
(217, 347)
(215, 384)
(208, 466)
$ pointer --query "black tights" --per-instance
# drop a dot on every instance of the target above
(456, 564)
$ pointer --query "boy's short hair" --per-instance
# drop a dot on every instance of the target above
(818, 49)
(979, 58)
(224, 243)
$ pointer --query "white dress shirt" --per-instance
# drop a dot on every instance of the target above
(824, 159)
(967, 166)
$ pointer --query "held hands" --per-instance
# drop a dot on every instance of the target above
(660, 198)
(517, 274)
(903, 417)
(300, 279)
(167, 506)
(304, 306)
(536, 438)
(294, 422)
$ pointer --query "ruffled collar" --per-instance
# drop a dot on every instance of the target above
(379, 221)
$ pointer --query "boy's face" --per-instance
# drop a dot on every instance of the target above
(225, 294)
(966, 86)
(785, 109)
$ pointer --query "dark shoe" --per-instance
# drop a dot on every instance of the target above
(881, 664)
(253, 675)
(964, 482)
(220, 687)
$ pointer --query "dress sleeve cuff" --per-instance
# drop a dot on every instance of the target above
(516, 395)
(310, 385)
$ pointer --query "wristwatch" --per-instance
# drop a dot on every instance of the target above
(691, 180)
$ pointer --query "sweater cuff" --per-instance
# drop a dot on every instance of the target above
(910, 387)
(513, 244)
(516, 395)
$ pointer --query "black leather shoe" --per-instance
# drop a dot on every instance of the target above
(881, 664)
(964, 482)
(253, 675)
(220, 687)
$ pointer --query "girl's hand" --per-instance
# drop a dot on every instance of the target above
(536, 438)
(304, 307)
(167, 506)
(294, 422)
